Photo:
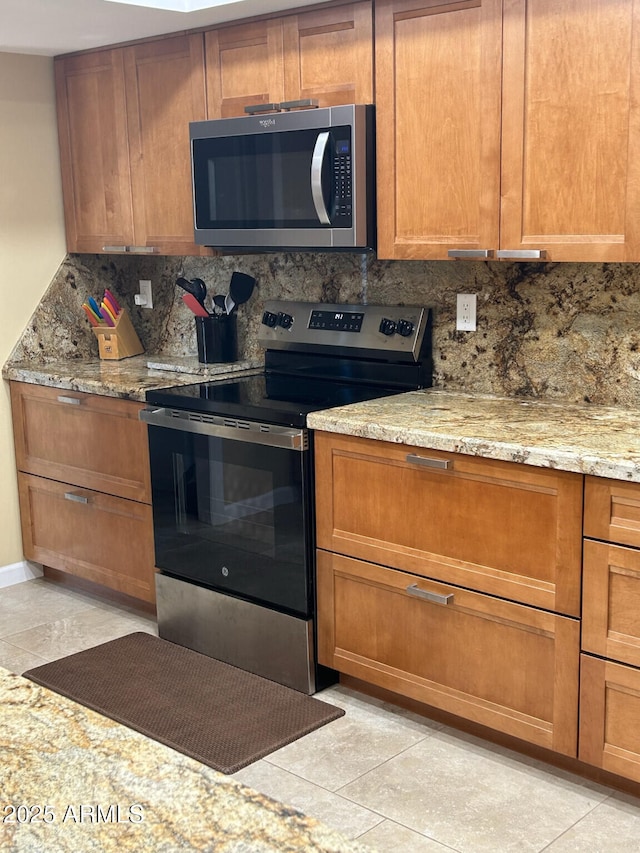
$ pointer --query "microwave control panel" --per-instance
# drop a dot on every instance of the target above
(342, 182)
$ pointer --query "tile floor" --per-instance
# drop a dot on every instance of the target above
(391, 779)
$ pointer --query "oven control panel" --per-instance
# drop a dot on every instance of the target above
(375, 330)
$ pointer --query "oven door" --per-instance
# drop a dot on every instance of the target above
(231, 506)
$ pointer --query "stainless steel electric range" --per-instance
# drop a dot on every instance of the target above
(233, 481)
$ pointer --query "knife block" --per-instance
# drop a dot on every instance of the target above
(119, 341)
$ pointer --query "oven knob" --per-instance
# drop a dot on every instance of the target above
(285, 320)
(387, 326)
(269, 319)
(404, 328)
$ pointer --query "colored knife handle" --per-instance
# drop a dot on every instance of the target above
(112, 301)
(110, 320)
(92, 317)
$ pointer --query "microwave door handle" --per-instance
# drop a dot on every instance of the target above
(317, 160)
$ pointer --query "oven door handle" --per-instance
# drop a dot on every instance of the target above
(251, 432)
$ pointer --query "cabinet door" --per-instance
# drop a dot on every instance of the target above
(610, 716)
(165, 91)
(328, 55)
(499, 527)
(611, 601)
(84, 439)
(438, 67)
(612, 510)
(98, 537)
(503, 665)
(94, 151)
(244, 67)
(571, 126)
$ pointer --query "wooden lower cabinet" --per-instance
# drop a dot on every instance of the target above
(84, 486)
(101, 538)
(611, 602)
(504, 665)
(612, 510)
(610, 716)
(503, 528)
(92, 441)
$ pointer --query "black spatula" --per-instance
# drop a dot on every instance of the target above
(241, 287)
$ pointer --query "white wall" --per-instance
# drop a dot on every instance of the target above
(32, 241)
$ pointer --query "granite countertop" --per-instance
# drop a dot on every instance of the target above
(588, 439)
(109, 788)
(568, 436)
(129, 378)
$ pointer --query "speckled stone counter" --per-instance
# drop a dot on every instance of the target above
(129, 378)
(108, 788)
(572, 437)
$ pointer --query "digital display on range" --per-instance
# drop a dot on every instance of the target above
(336, 321)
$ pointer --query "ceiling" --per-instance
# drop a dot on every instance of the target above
(51, 27)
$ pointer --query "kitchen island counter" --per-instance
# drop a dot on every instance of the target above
(588, 439)
(90, 783)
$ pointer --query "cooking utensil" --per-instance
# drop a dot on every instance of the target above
(196, 287)
(241, 287)
(218, 303)
(199, 284)
(229, 304)
(197, 307)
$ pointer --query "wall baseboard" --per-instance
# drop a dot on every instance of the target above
(19, 572)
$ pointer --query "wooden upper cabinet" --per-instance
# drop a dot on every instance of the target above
(123, 118)
(244, 67)
(94, 150)
(508, 126)
(165, 90)
(570, 177)
(438, 68)
(326, 54)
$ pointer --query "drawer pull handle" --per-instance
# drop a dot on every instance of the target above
(70, 401)
(521, 254)
(470, 254)
(434, 597)
(429, 461)
(114, 249)
(79, 499)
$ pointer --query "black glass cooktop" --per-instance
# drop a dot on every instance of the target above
(272, 398)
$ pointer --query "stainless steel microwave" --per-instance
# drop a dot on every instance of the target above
(286, 180)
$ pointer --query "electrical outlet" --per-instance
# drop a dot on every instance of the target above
(145, 297)
(466, 312)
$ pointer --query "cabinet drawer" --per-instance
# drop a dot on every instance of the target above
(612, 510)
(507, 666)
(99, 537)
(88, 440)
(611, 602)
(610, 716)
(507, 529)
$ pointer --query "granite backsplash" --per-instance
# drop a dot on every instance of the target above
(556, 331)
